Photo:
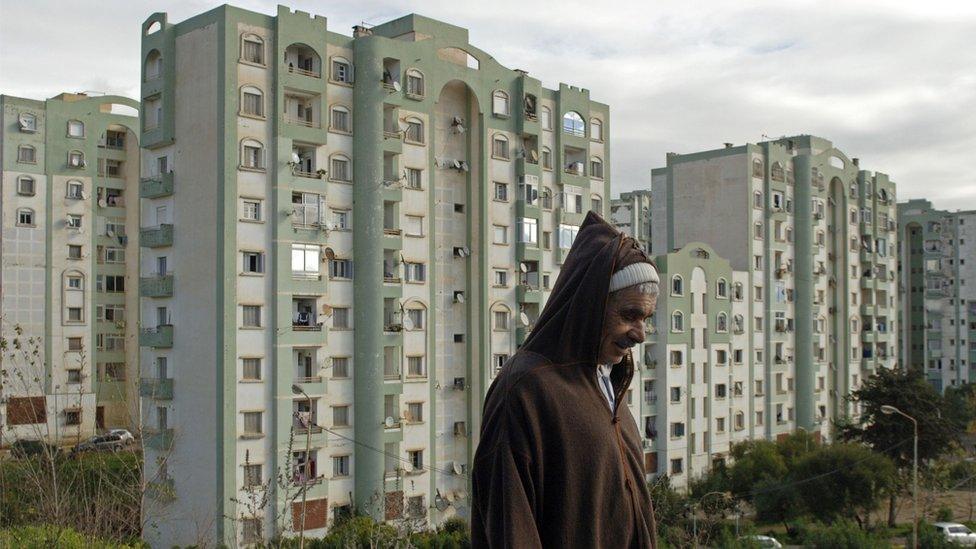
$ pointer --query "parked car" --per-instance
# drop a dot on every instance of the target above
(124, 434)
(28, 448)
(101, 443)
(763, 541)
(955, 532)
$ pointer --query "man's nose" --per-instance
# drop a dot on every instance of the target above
(637, 334)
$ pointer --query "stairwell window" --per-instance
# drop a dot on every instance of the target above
(546, 158)
(677, 322)
(415, 83)
(340, 169)
(499, 147)
(342, 70)
(76, 128)
(251, 316)
(252, 49)
(341, 120)
(252, 154)
(252, 101)
(500, 105)
(677, 285)
(414, 132)
(26, 186)
(26, 154)
(596, 129)
(596, 167)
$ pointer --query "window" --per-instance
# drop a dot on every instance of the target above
(340, 466)
(415, 272)
(567, 234)
(573, 124)
(28, 122)
(415, 83)
(340, 169)
(722, 323)
(677, 322)
(499, 361)
(416, 459)
(342, 70)
(25, 186)
(415, 411)
(722, 288)
(500, 234)
(252, 49)
(75, 190)
(74, 251)
(545, 118)
(500, 103)
(676, 466)
(252, 423)
(340, 268)
(501, 191)
(340, 318)
(596, 168)
(340, 220)
(413, 225)
(500, 320)
(252, 316)
(252, 475)
(414, 178)
(76, 128)
(73, 221)
(528, 230)
(340, 366)
(721, 391)
(112, 254)
(546, 198)
(547, 240)
(74, 314)
(546, 158)
(341, 121)
(253, 262)
(305, 260)
(415, 131)
(252, 154)
(251, 210)
(676, 358)
(418, 318)
(26, 154)
(501, 278)
(340, 416)
(758, 230)
(677, 429)
(110, 284)
(252, 369)
(677, 285)
(573, 199)
(499, 147)
(252, 101)
(596, 130)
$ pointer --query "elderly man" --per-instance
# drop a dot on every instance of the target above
(560, 463)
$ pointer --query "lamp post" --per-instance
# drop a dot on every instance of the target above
(888, 410)
(308, 448)
(694, 515)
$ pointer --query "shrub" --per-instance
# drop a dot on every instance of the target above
(45, 536)
(843, 534)
(944, 514)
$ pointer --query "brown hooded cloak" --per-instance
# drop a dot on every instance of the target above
(554, 466)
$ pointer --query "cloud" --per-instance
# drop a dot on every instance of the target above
(891, 82)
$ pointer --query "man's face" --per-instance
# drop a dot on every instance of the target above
(623, 325)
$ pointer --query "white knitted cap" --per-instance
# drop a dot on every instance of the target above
(632, 275)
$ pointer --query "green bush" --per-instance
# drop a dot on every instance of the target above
(45, 536)
(944, 514)
(844, 535)
(930, 538)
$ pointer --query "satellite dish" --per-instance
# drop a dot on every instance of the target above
(457, 164)
(523, 267)
(534, 154)
(407, 467)
(407, 323)
(459, 297)
(457, 468)
(295, 158)
(101, 203)
(389, 422)
(524, 318)
(464, 166)
(459, 128)
(327, 309)
(110, 233)
(456, 121)
(396, 86)
(440, 503)
(330, 253)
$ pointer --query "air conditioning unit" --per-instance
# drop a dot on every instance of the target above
(459, 383)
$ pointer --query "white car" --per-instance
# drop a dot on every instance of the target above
(955, 532)
(123, 434)
(763, 541)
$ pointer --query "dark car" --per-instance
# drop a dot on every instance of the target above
(28, 448)
(110, 442)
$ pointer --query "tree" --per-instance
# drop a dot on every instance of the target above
(754, 461)
(844, 481)
(938, 424)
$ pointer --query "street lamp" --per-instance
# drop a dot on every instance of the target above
(888, 410)
(694, 516)
(308, 448)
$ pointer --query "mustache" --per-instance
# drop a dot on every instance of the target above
(626, 342)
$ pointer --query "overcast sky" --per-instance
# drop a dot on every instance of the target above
(890, 82)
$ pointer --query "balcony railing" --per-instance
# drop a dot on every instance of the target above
(156, 286)
(159, 389)
(156, 186)
(303, 72)
(155, 237)
(160, 336)
(289, 119)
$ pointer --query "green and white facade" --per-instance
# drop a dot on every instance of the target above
(631, 213)
(70, 172)
(816, 237)
(937, 269)
(376, 219)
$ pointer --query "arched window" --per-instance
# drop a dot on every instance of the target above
(546, 198)
(76, 159)
(853, 215)
(740, 421)
(415, 130)
(757, 199)
(677, 321)
(737, 291)
(342, 70)
(75, 190)
(776, 172)
(26, 154)
(500, 318)
(26, 185)
(499, 147)
(74, 280)
(154, 65)
(596, 167)
(545, 118)
(573, 124)
(883, 195)
(677, 285)
(758, 168)
(546, 158)
(854, 324)
(596, 204)
(738, 324)
(853, 189)
(76, 128)
(500, 104)
(415, 83)
(25, 217)
(341, 168)
(417, 314)
(596, 129)
(303, 60)
(252, 49)
(252, 101)
(341, 119)
(252, 154)
(722, 288)
(722, 323)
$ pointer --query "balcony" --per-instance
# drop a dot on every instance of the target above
(156, 286)
(159, 389)
(528, 294)
(159, 439)
(157, 186)
(156, 237)
(159, 337)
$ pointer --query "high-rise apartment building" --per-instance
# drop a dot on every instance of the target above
(815, 239)
(349, 235)
(631, 213)
(70, 174)
(937, 270)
